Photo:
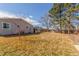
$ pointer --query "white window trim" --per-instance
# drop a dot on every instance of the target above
(6, 28)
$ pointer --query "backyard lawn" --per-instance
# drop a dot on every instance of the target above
(43, 44)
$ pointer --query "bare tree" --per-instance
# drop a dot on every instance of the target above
(46, 21)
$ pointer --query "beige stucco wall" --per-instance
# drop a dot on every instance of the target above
(14, 22)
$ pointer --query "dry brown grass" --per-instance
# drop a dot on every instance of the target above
(48, 43)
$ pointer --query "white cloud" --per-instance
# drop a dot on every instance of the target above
(31, 16)
(28, 19)
(7, 14)
(31, 21)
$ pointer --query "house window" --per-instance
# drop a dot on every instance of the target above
(17, 25)
(26, 26)
(6, 25)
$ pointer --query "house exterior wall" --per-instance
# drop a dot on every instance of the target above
(16, 25)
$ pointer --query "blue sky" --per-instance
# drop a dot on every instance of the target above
(35, 11)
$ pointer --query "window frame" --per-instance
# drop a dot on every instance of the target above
(6, 23)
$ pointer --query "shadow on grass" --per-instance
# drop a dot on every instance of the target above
(15, 35)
